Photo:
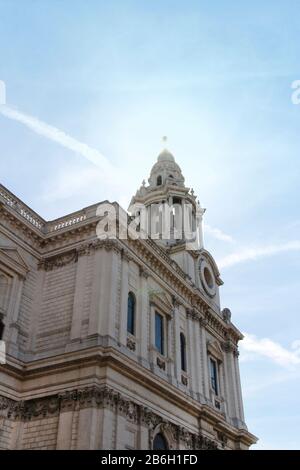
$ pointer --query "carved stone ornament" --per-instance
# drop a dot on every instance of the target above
(193, 314)
(38, 408)
(226, 314)
(184, 380)
(161, 364)
(58, 261)
(229, 347)
(222, 438)
(130, 344)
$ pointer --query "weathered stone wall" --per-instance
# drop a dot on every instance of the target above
(56, 309)
(40, 434)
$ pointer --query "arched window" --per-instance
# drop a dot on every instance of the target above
(159, 180)
(160, 442)
(131, 313)
(183, 351)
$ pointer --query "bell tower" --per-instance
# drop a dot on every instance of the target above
(170, 210)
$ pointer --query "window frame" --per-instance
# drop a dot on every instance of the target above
(159, 180)
(183, 358)
(161, 347)
(131, 330)
(214, 375)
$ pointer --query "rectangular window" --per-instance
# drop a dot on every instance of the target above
(159, 333)
(214, 375)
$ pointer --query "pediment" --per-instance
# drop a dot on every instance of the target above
(10, 257)
(162, 302)
(214, 348)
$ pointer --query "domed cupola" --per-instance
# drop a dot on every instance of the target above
(165, 171)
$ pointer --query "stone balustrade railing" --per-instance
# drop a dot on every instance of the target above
(65, 222)
(34, 219)
(12, 201)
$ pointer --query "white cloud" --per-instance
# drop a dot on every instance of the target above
(217, 233)
(247, 254)
(251, 347)
(85, 185)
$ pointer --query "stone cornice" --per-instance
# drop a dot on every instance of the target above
(102, 397)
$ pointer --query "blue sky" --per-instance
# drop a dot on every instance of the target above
(215, 77)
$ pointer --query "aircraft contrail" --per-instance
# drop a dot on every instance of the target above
(52, 133)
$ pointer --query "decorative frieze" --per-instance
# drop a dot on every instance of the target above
(193, 314)
(102, 397)
(58, 261)
(62, 259)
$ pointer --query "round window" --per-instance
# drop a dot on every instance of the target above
(207, 278)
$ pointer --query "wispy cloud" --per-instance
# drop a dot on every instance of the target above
(60, 137)
(218, 234)
(251, 347)
(252, 254)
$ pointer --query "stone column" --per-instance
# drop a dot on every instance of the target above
(142, 317)
(97, 291)
(238, 385)
(169, 353)
(152, 334)
(79, 294)
(177, 358)
(64, 432)
(143, 438)
(231, 382)
(36, 308)
(204, 362)
(197, 358)
(124, 299)
(89, 429)
(104, 293)
(191, 352)
(11, 335)
(120, 433)
(16, 435)
(108, 424)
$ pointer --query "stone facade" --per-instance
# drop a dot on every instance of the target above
(75, 377)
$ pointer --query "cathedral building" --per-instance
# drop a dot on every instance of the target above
(115, 342)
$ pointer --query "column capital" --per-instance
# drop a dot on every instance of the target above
(143, 272)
